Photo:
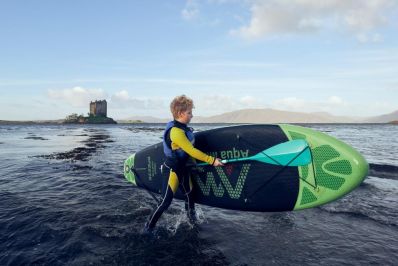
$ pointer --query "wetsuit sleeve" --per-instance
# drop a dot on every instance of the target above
(180, 140)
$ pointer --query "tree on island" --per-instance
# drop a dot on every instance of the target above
(91, 119)
(75, 118)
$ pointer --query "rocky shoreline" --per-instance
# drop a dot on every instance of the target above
(92, 120)
(33, 122)
(54, 122)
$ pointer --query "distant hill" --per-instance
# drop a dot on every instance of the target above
(145, 119)
(255, 116)
(272, 116)
(383, 118)
(268, 116)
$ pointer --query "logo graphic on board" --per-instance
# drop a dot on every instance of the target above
(233, 191)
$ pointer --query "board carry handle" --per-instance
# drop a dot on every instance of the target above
(290, 153)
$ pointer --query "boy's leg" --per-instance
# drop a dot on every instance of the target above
(167, 199)
(187, 188)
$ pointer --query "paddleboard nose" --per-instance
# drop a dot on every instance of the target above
(349, 165)
(360, 168)
(336, 169)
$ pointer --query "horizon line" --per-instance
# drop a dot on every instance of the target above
(208, 116)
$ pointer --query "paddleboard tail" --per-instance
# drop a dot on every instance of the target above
(129, 172)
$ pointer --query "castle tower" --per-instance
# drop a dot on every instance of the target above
(98, 108)
(92, 108)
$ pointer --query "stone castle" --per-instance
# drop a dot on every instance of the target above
(98, 108)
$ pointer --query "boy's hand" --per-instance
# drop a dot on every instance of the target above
(218, 162)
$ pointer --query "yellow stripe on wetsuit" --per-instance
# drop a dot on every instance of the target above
(180, 141)
(173, 182)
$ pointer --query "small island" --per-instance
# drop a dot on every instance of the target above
(394, 122)
(131, 121)
(97, 115)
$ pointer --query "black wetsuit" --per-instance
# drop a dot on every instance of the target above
(178, 142)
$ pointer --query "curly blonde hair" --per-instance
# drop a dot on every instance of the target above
(180, 104)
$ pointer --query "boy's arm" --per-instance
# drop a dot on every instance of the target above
(179, 138)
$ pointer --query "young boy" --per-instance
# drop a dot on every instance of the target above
(178, 141)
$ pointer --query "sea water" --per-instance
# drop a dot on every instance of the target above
(64, 201)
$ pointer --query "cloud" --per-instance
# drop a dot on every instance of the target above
(77, 96)
(365, 38)
(279, 17)
(290, 103)
(249, 101)
(216, 102)
(334, 100)
(294, 104)
(191, 10)
(122, 99)
(121, 96)
(224, 103)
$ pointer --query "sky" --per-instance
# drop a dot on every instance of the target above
(335, 56)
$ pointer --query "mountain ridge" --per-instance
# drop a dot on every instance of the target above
(268, 115)
(249, 116)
